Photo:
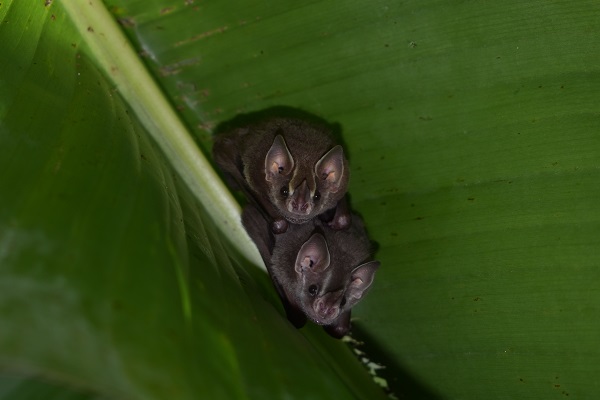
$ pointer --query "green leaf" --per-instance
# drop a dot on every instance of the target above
(472, 130)
(114, 280)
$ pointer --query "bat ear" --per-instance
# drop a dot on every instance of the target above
(330, 168)
(278, 160)
(313, 255)
(361, 280)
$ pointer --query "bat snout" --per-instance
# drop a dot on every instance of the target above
(299, 202)
(325, 311)
(299, 207)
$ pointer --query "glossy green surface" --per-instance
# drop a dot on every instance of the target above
(472, 130)
(114, 282)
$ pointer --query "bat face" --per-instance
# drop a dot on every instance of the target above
(290, 168)
(322, 273)
(302, 186)
(325, 288)
(319, 273)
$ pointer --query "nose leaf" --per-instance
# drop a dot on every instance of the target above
(324, 310)
(300, 199)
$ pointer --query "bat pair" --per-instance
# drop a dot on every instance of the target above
(317, 253)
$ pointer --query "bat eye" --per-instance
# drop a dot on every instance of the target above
(317, 195)
(312, 290)
(284, 191)
(343, 301)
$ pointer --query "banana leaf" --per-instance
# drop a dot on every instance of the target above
(472, 133)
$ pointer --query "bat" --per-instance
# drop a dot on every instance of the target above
(319, 273)
(291, 168)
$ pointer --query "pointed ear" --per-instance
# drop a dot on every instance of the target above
(278, 160)
(313, 255)
(362, 278)
(330, 168)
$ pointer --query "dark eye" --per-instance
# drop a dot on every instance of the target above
(284, 191)
(317, 195)
(343, 301)
(312, 290)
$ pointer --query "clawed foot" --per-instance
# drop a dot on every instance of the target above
(340, 221)
(279, 226)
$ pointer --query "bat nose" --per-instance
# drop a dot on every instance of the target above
(326, 311)
(296, 207)
(300, 202)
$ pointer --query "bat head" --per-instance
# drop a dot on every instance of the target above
(327, 289)
(301, 189)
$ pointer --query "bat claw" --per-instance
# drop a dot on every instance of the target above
(340, 222)
(279, 226)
